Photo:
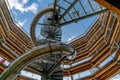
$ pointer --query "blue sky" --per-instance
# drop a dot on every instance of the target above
(25, 10)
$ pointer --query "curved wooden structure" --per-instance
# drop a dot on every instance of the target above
(99, 43)
(111, 4)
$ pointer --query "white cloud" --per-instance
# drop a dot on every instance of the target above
(25, 1)
(20, 24)
(20, 6)
(33, 8)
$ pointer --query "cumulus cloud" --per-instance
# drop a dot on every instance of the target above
(20, 24)
(25, 1)
(20, 6)
(33, 8)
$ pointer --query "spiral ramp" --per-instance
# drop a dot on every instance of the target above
(50, 46)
